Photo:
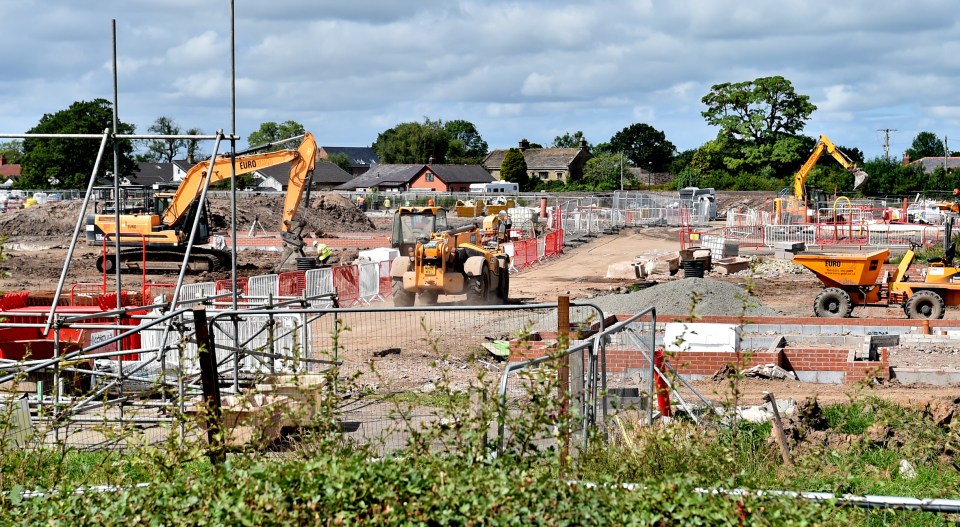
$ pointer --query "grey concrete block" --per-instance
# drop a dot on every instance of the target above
(925, 376)
(821, 377)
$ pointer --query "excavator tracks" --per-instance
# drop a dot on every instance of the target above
(161, 261)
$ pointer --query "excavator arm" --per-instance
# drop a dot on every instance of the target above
(303, 160)
(301, 172)
(825, 145)
(300, 178)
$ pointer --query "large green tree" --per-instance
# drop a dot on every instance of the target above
(270, 132)
(68, 163)
(759, 139)
(757, 111)
(604, 172)
(466, 146)
(413, 143)
(569, 141)
(513, 168)
(644, 146)
(926, 144)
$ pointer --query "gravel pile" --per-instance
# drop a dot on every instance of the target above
(677, 297)
(771, 268)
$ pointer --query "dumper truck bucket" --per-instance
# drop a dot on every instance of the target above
(845, 270)
(859, 178)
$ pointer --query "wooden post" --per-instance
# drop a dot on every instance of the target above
(778, 429)
(563, 343)
(211, 386)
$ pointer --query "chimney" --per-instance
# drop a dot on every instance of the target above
(906, 159)
(524, 144)
(3, 160)
(430, 161)
(583, 144)
(190, 158)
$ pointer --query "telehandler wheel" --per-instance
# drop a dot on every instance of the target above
(833, 302)
(925, 304)
(479, 287)
(402, 297)
(503, 286)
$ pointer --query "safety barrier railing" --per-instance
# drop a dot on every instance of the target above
(775, 234)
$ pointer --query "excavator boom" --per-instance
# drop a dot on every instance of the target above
(303, 160)
(825, 145)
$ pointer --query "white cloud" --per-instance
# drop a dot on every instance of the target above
(516, 68)
(537, 85)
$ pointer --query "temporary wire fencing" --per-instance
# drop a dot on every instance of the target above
(130, 385)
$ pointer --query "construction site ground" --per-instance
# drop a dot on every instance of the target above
(37, 242)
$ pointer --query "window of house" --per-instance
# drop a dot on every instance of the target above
(544, 175)
(559, 175)
(429, 177)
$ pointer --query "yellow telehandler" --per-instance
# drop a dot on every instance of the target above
(436, 259)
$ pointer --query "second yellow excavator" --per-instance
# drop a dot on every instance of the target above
(160, 237)
(803, 201)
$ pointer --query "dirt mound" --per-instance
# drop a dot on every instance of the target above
(56, 219)
(745, 199)
(327, 212)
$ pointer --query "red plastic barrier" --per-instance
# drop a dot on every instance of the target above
(530, 247)
(291, 284)
(225, 286)
(346, 280)
(109, 300)
(151, 291)
(386, 281)
(14, 300)
(550, 247)
(520, 254)
(663, 392)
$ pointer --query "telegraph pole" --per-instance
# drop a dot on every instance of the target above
(886, 141)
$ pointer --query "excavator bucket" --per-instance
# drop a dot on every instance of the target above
(859, 178)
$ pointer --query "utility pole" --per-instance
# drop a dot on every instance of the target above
(621, 171)
(886, 141)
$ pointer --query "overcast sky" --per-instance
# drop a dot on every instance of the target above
(348, 70)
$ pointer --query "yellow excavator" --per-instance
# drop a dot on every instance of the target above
(436, 259)
(159, 237)
(802, 201)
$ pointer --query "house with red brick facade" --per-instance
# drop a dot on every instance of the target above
(430, 177)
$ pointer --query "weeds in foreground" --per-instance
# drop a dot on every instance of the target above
(453, 469)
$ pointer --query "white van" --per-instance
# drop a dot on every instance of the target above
(497, 187)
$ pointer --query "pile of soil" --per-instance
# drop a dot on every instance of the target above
(50, 220)
(327, 212)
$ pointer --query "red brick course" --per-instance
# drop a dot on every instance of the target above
(704, 363)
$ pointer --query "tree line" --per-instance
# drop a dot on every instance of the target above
(759, 146)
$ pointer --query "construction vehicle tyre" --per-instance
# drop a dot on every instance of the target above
(925, 305)
(503, 286)
(479, 288)
(402, 297)
(833, 302)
